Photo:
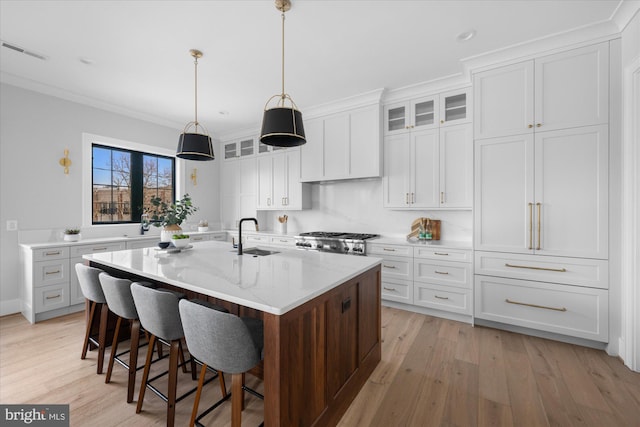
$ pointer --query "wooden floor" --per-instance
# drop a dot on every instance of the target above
(434, 372)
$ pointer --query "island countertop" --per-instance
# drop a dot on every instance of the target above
(274, 284)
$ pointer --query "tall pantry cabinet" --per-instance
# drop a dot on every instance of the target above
(541, 193)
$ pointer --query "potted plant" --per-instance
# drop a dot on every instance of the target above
(180, 240)
(71, 234)
(203, 225)
(170, 216)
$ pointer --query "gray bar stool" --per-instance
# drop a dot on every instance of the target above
(120, 301)
(92, 291)
(227, 343)
(159, 315)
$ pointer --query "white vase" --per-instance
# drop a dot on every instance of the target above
(168, 231)
(71, 237)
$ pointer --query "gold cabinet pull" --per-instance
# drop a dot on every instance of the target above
(388, 266)
(389, 289)
(53, 296)
(388, 249)
(52, 272)
(538, 125)
(441, 121)
(441, 272)
(530, 126)
(530, 225)
(52, 253)
(413, 197)
(442, 197)
(559, 270)
(535, 305)
(539, 206)
(99, 249)
(441, 253)
(439, 297)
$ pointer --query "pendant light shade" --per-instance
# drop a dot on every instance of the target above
(195, 145)
(281, 124)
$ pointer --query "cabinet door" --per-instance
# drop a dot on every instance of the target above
(336, 146)
(456, 166)
(503, 101)
(312, 153)
(248, 180)
(365, 143)
(396, 118)
(280, 181)
(503, 205)
(455, 107)
(293, 195)
(265, 182)
(424, 113)
(229, 193)
(396, 179)
(342, 337)
(571, 192)
(425, 164)
(230, 150)
(572, 88)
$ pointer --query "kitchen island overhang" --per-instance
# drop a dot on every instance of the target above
(321, 314)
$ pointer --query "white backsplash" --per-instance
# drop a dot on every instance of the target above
(356, 206)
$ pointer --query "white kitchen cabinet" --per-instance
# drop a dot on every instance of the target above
(456, 166)
(141, 243)
(238, 191)
(559, 91)
(278, 184)
(455, 107)
(75, 254)
(239, 148)
(547, 196)
(396, 271)
(421, 113)
(343, 145)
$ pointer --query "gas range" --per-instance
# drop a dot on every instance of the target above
(341, 243)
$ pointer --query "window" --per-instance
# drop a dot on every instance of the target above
(124, 181)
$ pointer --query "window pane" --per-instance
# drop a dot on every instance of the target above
(101, 177)
(101, 158)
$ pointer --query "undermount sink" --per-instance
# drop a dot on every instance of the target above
(259, 252)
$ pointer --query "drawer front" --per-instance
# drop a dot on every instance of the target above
(397, 268)
(449, 273)
(51, 297)
(397, 290)
(443, 298)
(80, 250)
(389, 250)
(219, 237)
(199, 237)
(568, 310)
(51, 253)
(138, 244)
(257, 239)
(51, 272)
(441, 254)
(282, 241)
(570, 271)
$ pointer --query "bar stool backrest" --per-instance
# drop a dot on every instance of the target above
(158, 311)
(118, 294)
(89, 283)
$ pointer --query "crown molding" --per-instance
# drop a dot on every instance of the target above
(624, 13)
(349, 103)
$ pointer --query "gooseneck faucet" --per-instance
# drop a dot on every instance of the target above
(240, 232)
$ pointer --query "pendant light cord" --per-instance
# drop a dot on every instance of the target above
(283, 93)
(196, 89)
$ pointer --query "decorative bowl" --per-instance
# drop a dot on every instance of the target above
(181, 243)
(164, 245)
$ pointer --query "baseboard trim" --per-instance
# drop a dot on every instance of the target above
(11, 306)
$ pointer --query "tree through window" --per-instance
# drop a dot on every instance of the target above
(124, 181)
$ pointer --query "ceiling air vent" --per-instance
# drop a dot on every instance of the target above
(21, 50)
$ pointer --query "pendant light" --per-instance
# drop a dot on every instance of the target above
(282, 125)
(195, 145)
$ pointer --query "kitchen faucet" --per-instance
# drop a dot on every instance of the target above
(144, 223)
(240, 232)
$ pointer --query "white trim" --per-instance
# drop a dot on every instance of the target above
(88, 139)
(630, 278)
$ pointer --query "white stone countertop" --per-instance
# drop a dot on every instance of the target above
(449, 244)
(274, 284)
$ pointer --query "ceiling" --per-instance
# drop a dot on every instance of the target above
(132, 56)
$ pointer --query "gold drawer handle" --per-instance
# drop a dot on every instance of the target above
(439, 297)
(389, 289)
(388, 250)
(52, 253)
(99, 249)
(441, 272)
(53, 296)
(388, 266)
(535, 305)
(52, 272)
(559, 270)
(284, 241)
(440, 253)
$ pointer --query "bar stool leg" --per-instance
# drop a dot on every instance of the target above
(114, 350)
(236, 400)
(194, 413)
(174, 355)
(102, 336)
(145, 373)
(87, 334)
(133, 358)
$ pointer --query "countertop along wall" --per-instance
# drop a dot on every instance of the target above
(35, 129)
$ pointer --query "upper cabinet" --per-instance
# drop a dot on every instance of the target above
(559, 91)
(448, 108)
(239, 148)
(343, 145)
(278, 183)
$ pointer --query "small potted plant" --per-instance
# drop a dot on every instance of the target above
(170, 216)
(180, 240)
(71, 234)
(203, 225)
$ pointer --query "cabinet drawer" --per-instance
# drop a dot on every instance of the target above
(393, 250)
(569, 310)
(443, 254)
(397, 290)
(138, 244)
(50, 253)
(219, 236)
(51, 297)
(397, 267)
(199, 237)
(80, 250)
(450, 273)
(257, 239)
(593, 273)
(50, 272)
(282, 241)
(443, 298)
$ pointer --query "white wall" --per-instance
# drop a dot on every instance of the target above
(356, 206)
(34, 131)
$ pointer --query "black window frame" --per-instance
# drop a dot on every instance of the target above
(136, 203)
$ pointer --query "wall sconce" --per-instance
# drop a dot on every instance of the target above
(65, 162)
(194, 176)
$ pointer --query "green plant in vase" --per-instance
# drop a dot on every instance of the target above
(169, 216)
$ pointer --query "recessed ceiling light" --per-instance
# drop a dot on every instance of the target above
(223, 112)
(467, 35)
(86, 61)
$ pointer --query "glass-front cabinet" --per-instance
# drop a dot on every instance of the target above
(455, 107)
(239, 148)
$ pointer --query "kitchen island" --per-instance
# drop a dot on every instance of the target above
(321, 316)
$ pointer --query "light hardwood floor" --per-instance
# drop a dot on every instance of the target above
(434, 372)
